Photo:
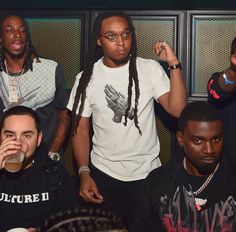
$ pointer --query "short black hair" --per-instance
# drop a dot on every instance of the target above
(21, 110)
(198, 111)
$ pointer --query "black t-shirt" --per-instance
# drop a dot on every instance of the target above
(167, 202)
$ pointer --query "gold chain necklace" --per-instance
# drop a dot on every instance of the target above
(206, 182)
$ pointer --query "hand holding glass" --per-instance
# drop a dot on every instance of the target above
(13, 162)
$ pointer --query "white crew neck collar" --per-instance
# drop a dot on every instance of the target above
(123, 67)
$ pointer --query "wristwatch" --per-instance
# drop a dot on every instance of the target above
(54, 156)
(175, 66)
(227, 81)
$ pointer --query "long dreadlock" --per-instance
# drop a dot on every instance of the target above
(94, 54)
(30, 52)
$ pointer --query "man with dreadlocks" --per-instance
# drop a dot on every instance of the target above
(125, 144)
(28, 80)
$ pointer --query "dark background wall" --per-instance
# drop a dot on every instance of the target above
(121, 4)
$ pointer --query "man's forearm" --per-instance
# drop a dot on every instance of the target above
(63, 126)
(177, 97)
(81, 143)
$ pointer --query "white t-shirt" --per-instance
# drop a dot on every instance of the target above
(119, 150)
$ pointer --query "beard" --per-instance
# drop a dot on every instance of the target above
(15, 56)
(207, 169)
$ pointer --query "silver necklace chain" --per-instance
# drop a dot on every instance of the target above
(206, 182)
(14, 85)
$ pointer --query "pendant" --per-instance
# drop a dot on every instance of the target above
(13, 96)
(199, 203)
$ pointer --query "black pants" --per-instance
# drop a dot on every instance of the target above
(120, 197)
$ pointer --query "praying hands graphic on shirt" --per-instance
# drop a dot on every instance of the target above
(117, 102)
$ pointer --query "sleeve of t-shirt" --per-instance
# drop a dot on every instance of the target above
(159, 79)
(216, 95)
(87, 109)
(61, 94)
(215, 92)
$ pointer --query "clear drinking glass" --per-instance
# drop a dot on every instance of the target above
(13, 162)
